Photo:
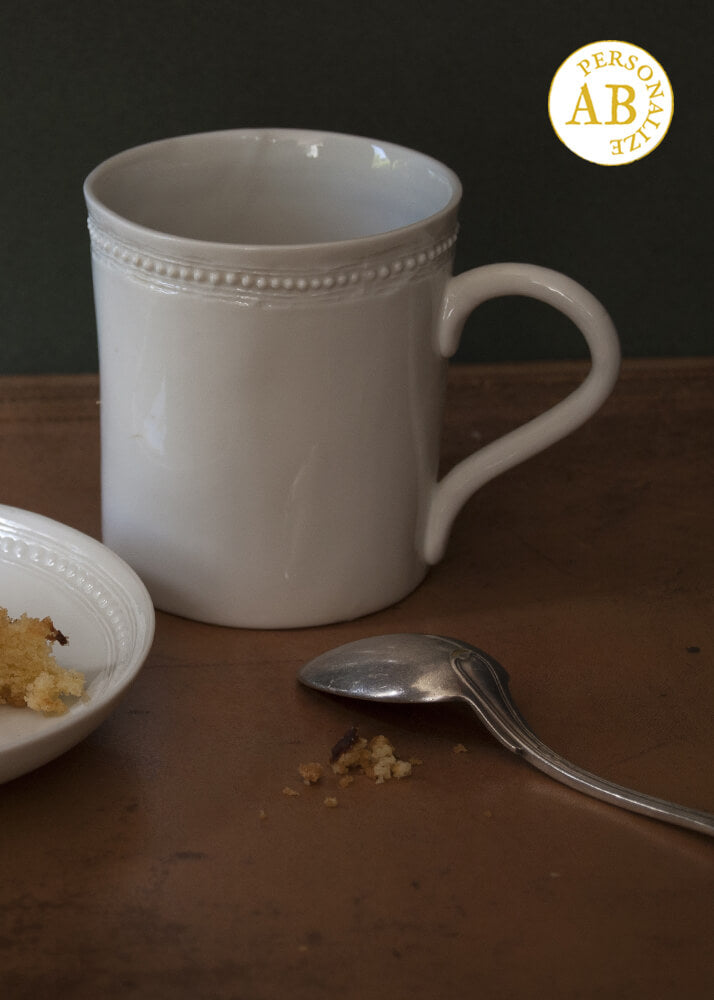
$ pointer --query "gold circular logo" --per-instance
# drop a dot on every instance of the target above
(610, 103)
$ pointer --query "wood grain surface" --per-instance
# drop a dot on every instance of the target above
(160, 857)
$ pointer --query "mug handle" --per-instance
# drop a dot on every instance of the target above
(463, 294)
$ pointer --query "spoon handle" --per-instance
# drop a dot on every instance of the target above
(486, 685)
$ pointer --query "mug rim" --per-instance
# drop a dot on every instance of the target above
(108, 218)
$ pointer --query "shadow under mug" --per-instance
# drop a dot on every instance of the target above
(274, 310)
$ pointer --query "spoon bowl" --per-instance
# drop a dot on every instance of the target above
(401, 668)
(416, 668)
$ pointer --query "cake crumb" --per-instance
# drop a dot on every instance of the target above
(350, 757)
(262, 814)
(29, 674)
(375, 758)
(460, 748)
(310, 773)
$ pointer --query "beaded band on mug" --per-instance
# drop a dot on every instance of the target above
(194, 277)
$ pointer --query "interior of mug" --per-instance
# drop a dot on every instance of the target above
(259, 187)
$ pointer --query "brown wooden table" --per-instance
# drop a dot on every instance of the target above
(160, 858)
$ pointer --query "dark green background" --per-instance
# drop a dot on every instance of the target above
(466, 82)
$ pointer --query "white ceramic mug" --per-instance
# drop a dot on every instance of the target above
(274, 311)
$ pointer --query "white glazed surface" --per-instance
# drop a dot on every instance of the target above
(47, 568)
(271, 410)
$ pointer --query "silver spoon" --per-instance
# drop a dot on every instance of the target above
(431, 668)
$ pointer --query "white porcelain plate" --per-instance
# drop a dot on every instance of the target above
(97, 601)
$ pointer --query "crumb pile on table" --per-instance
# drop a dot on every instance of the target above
(376, 758)
(354, 755)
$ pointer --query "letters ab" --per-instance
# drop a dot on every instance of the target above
(610, 103)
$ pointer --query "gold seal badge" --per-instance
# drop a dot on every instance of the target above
(610, 103)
